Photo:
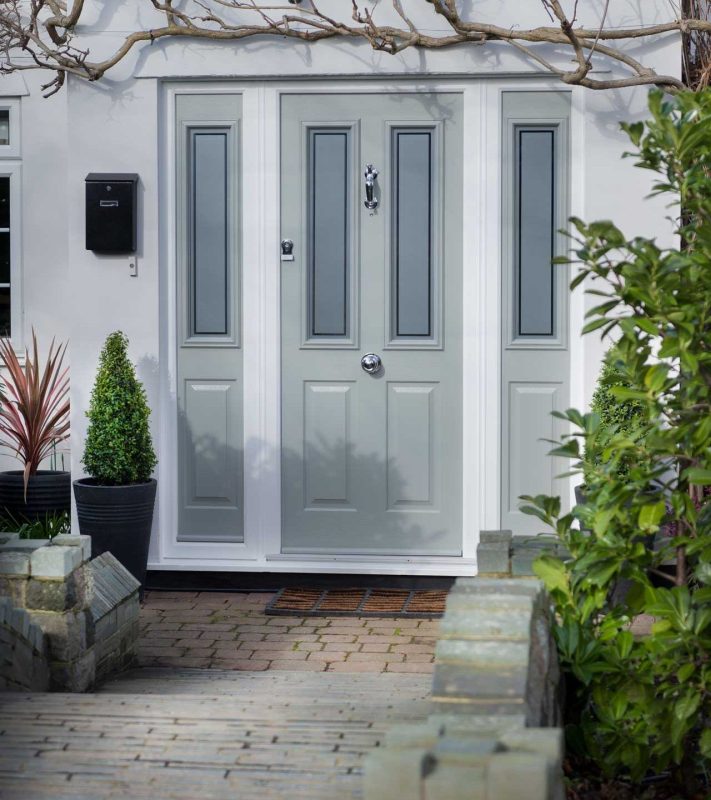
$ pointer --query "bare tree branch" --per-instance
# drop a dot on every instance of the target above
(46, 35)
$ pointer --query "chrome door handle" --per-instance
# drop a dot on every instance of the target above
(371, 363)
(371, 174)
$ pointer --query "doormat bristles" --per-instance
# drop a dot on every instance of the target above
(421, 603)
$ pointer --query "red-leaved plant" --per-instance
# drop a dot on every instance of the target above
(34, 404)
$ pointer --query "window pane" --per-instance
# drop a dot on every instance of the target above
(4, 258)
(4, 202)
(4, 126)
(5, 312)
(535, 232)
(412, 220)
(328, 233)
(209, 233)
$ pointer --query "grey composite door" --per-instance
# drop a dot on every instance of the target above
(372, 462)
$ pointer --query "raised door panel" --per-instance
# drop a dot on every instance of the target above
(412, 453)
(328, 445)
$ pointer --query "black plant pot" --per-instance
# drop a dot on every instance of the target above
(48, 492)
(118, 519)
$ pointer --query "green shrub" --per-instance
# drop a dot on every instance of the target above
(643, 703)
(615, 415)
(118, 448)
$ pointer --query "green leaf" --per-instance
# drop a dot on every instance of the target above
(685, 672)
(552, 572)
(650, 516)
(698, 476)
(705, 743)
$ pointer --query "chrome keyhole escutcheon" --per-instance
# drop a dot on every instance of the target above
(371, 363)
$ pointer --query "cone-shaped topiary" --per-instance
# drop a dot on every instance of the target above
(118, 448)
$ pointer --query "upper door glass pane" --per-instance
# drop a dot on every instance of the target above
(328, 192)
(535, 232)
(412, 221)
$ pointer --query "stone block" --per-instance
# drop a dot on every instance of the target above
(487, 537)
(396, 774)
(490, 587)
(20, 621)
(6, 538)
(493, 558)
(106, 626)
(511, 623)
(548, 742)
(512, 776)
(13, 562)
(55, 561)
(464, 725)
(417, 735)
(24, 545)
(14, 587)
(455, 782)
(77, 675)
(75, 540)
(493, 654)
(51, 595)
(68, 634)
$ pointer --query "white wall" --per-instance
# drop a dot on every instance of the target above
(113, 126)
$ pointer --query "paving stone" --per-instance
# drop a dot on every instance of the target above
(14, 563)
(75, 540)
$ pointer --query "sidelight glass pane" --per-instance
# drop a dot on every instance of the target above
(210, 231)
(535, 232)
(412, 235)
(4, 126)
(328, 193)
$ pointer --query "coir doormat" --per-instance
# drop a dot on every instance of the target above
(358, 603)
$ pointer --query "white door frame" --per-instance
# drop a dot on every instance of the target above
(481, 202)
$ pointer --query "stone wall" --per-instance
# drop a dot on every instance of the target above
(86, 610)
(23, 651)
(492, 732)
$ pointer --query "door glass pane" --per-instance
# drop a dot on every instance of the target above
(328, 194)
(412, 234)
(4, 257)
(5, 311)
(4, 202)
(535, 231)
(4, 126)
(210, 231)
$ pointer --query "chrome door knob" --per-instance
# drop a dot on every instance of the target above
(371, 363)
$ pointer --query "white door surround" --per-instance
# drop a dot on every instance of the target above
(481, 204)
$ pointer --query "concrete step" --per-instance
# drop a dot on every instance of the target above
(187, 734)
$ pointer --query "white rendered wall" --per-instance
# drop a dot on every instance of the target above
(114, 126)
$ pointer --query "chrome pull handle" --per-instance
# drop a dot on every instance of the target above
(371, 174)
(371, 363)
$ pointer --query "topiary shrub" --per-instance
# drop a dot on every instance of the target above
(613, 415)
(118, 448)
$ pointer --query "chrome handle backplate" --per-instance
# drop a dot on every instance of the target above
(371, 174)
(371, 363)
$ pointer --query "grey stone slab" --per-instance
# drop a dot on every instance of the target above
(511, 776)
(487, 537)
(489, 623)
(55, 561)
(24, 545)
(13, 562)
(483, 655)
(493, 558)
(112, 584)
(75, 540)
(460, 681)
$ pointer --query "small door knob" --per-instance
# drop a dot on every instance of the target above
(371, 363)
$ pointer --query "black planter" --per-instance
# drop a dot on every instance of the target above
(580, 498)
(118, 519)
(48, 492)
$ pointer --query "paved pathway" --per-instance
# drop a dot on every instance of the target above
(158, 734)
(230, 631)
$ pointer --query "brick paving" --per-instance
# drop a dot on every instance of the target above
(229, 631)
(175, 734)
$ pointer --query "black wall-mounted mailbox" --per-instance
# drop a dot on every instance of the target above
(111, 212)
